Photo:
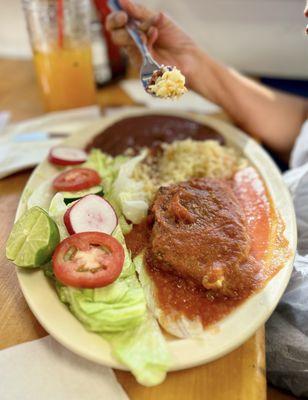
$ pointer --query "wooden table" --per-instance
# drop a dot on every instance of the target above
(238, 376)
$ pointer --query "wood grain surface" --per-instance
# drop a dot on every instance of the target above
(238, 376)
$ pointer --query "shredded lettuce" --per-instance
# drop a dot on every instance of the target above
(115, 308)
(128, 193)
(106, 166)
(124, 225)
(128, 267)
(144, 280)
(48, 270)
(56, 211)
(42, 196)
(144, 350)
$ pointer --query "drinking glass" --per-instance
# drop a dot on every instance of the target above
(59, 32)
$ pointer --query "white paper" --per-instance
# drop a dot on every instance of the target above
(45, 370)
(17, 156)
(4, 119)
(58, 121)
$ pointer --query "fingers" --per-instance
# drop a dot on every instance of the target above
(159, 20)
(121, 38)
(116, 23)
(145, 25)
(116, 20)
(152, 36)
(137, 11)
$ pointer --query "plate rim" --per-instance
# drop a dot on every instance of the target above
(222, 127)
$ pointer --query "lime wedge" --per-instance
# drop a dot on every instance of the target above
(33, 239)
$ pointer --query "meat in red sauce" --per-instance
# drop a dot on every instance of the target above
(178, 295)
(200, 233)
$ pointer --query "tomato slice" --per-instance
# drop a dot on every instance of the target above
(76, 179)
(88, 260)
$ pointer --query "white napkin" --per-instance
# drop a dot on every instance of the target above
(45, 370)
(190, 101)
(4, 119)
(16, 156)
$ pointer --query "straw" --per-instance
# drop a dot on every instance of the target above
(60, 22)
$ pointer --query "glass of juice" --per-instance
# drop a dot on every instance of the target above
(59, 32)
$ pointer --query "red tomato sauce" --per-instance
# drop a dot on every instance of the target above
(178, 296)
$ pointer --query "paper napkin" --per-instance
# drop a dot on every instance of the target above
(17, 154)
(45, 370)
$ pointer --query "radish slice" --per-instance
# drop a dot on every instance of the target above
(67, 156)
(92, 213)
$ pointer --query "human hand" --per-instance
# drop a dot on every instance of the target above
(167, 42)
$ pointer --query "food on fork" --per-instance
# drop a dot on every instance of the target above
(167, 82)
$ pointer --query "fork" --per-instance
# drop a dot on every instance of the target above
(149, 65)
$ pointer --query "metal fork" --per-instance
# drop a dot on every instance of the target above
(149, 65)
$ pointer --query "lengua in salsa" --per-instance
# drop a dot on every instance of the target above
(200, 233)
(233, 230)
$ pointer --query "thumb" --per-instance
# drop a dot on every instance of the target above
(152, 36)
(136, 10)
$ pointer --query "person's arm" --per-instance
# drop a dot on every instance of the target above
(273, 117)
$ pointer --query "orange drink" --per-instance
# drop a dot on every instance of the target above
(60, 36)
(65, 77)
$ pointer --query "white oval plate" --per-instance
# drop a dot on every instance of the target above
(226, 335)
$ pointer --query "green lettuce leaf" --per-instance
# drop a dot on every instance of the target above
(124, 225)
(144, 350)
(128, 193)
(115, 308)
(106, 166)
(48, 270)
(56, 211)
(41, 196)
